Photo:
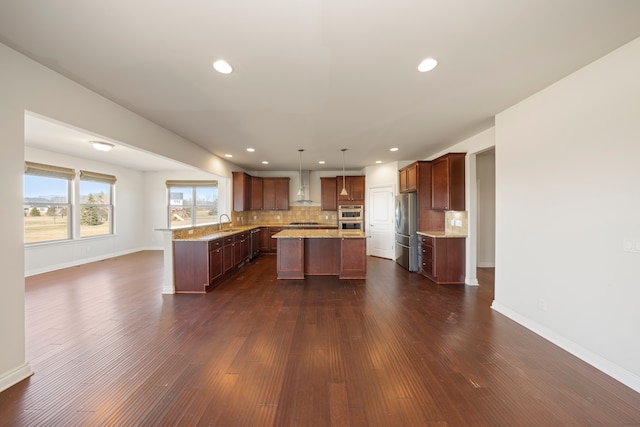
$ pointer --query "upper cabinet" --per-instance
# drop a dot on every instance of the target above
(255, 193)
(355, 190)
(328, 194)
(241, 192)
(275, 194)
(447, 180)
(409, 178)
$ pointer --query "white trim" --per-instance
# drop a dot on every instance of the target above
(14, 376)
(620, 374)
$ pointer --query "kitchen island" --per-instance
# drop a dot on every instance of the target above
(321, 253)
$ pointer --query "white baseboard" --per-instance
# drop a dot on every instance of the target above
(617, 372)
(15, 376)
(82, 261)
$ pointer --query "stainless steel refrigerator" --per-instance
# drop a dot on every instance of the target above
(406, 228)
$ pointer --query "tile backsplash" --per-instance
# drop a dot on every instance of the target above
(294, 214)
(456, 222)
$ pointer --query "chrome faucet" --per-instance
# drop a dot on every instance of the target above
(220, 220)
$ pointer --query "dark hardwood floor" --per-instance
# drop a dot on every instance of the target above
(395, 350)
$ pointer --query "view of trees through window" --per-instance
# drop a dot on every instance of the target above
(50, 210)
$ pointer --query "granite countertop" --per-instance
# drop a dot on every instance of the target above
(442, 234)
(230, 231)
(320, 234)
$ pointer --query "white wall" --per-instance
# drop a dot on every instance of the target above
(28, 86)
(486, 208)
(130, 223)
(567, 195)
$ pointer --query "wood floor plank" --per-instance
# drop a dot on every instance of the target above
(395, 349)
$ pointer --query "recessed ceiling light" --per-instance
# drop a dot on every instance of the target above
(264, 162)
(393, 149)
(222, 67)
(321, 162)
(427, 64)
(228, 155)
(251, 150)
(378, 162)
(102, 146)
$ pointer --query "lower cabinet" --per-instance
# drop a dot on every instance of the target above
(442, 259)
(200, 265)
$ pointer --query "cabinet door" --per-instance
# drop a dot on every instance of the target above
(356, 192)
(273, 244)
(402, 180)
(353, 259)
(275, 193)
(447, 180)
(328, 194)
(412, 177)
(256, 193)
(265, 240)
(241, 191)
(227, 254)
(216, 269)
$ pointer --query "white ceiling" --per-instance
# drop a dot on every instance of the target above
(318, 74)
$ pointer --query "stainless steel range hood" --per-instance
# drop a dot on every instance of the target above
(305, 184)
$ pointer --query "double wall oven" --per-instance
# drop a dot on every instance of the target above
(351, 217)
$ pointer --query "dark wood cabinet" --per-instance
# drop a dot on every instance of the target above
(197, 265)
(216, 267)
(275, 193)
(442, 260)
(290, 258)
(329, 194)
(227, 254)
(353, 260)
(256, 193)
(355, 187)
(241, 192)
(240, 248)
(447, 177)
(273, 243)
(409, 178)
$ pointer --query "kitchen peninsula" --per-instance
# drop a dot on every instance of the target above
(321, 252)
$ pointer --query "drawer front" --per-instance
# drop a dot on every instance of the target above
(425, 240)
(215, 244)
(228, 240)
(426, 267)
(426, 252)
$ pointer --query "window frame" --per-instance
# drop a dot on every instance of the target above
(88, 176)
(52, 172)
(195, 205)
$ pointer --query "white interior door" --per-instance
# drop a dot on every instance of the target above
(381, 222)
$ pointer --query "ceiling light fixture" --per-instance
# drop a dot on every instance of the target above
(321, 162)
(301, 189)
(228, 155)
(102, 146)
(393, 149)
(427, 64)
(344, 187)
(264, 162)
(222, 67)
(251, 150)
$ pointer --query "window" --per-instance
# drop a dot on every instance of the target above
(192, 203)
(96, 204)
(47, 207)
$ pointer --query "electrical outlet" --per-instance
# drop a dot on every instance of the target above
(190, 231)
(453, 222)
(458, 223)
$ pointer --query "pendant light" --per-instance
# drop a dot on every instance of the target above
(301, 189)
(344, 187)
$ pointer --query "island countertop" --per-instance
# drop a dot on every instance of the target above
(320, 234)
